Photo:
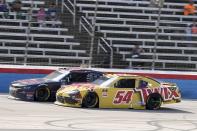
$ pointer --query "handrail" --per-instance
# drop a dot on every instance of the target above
(101, 38)
(87, 21)
(111, 50)
(68, 8)
(72, 11)
(81, 24)
(71, 3)
(100, 45)
(89, 29)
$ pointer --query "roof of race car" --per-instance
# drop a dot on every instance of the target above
(76, 70)
(121, 75)
(130, 75)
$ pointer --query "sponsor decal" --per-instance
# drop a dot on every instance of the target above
(167, 93)
(30, 81)
(88, 86)
(104, 92)
(29, 95)
(125, 97)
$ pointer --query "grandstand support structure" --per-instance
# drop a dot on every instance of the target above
(30, 12)
(93, 33)
(159, 5)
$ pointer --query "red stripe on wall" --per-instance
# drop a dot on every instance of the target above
(25, 71)
(47, 71)
(163, 76)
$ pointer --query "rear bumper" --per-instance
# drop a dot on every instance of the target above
(178, 100)
(172, 101)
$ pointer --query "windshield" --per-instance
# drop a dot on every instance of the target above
(100, 80)
(56, 75)
(104, 81)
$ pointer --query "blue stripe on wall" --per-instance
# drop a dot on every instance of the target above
(188, 87)
(7, 78)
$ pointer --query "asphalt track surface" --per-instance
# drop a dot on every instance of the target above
(18, 115)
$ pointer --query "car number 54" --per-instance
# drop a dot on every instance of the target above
(123, 97)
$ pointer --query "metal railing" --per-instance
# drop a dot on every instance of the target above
(89, 27)
(86, 25)
(102, 43)
(71, 7)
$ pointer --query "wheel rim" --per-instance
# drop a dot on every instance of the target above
(42, 94)
(91, 100)
(154, 102)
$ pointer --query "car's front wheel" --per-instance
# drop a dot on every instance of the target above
(42, 94)
(153, 102)
(90, 100)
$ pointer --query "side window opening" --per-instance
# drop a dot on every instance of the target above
(76, 77)
(80, 77)
(125, 83)
(143, 84)
(93, 76)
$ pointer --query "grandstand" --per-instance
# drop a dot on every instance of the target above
(125, 23)
(119, 26)
(22, 39)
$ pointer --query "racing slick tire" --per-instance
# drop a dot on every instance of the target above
(153, 101)
(42, 94)
(90, 100)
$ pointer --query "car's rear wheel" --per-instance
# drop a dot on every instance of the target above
(90, 100)
(42, 94)
(153, 102)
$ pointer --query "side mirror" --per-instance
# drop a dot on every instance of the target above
(63, 82)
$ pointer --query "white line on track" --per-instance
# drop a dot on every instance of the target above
(18, 115)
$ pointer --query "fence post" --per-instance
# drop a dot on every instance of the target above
(93, 34)
(28, 32)
(75, 11)
(159, 5)
(62, 8)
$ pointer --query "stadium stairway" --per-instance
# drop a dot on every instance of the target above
(100, 58)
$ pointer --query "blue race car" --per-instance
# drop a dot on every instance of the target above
(44, 89)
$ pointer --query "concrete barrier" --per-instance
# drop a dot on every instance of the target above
(187, 81)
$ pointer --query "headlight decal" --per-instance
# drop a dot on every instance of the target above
(75, 94)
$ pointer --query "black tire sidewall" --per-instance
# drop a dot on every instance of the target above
(151, 107)
(46, 95)
(94, 101)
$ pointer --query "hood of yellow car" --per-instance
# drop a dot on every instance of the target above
(77, 86)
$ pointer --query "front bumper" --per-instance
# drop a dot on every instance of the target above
(12, 97)
(67, 101)
(18, 93)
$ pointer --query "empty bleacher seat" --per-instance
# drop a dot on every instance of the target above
(125, 23)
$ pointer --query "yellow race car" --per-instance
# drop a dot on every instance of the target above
(119, 91)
